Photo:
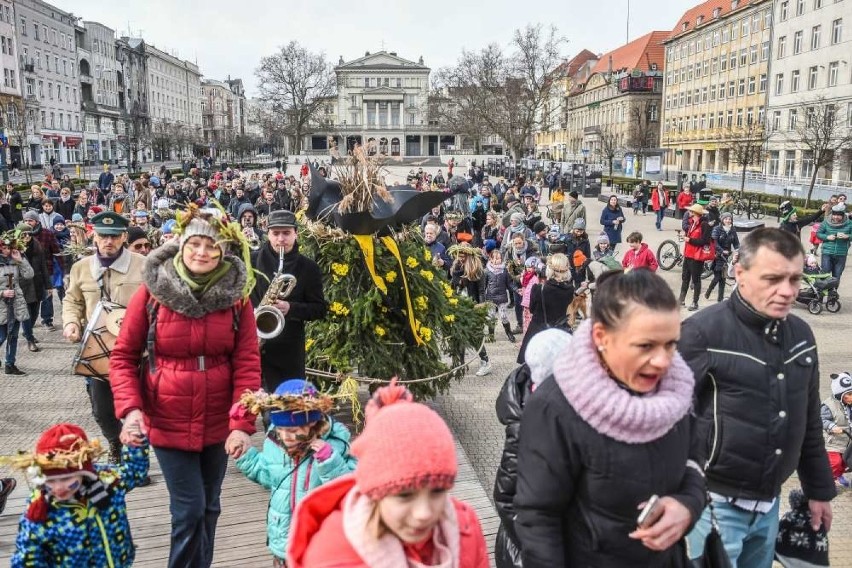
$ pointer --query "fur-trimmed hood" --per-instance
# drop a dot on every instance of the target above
(167, 287)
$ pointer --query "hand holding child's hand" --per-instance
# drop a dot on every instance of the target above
(322, 450)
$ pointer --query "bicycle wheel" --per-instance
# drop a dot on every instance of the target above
(737, 209)
(668, 253)
(707, 270)
(758, 212)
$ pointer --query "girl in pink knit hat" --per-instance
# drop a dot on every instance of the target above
(395, 510)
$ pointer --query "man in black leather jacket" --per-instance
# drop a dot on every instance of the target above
(757, 400)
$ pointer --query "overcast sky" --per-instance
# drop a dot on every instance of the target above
(229, 37)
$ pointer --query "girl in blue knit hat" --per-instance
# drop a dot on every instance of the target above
(304, 448)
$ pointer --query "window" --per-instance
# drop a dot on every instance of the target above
(836, 31)
(704, 95)
(726, 34)
(23, 26)
(790, 164)
(800, 7)
(752, 55)
(817, 4)
(776, 120)
(714, 65)
(689, 97)
(30, 87)
(712, 92)
(36, 33)
(833, 69)
(733, 60)
(816, 33)
(792, 119)
(751, 85)
(721, 91)
(794, 81)
(706, 67)
(723, 62)
(812, 78)
(785, 6)
(731, 89)
(50, 91)
(745, 27)
(762, 83)
(741, 87)
(797, 42)
(366, 81)
(782, 47)
(715, 38)
(744, 57)
(764, 51)
(779, 83)
(749, 115)
(730, 119)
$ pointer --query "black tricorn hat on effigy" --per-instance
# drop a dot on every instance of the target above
(408, 205)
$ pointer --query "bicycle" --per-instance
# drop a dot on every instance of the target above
(669, 255)
(749, 207)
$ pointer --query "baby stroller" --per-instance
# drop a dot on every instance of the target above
(819, 290)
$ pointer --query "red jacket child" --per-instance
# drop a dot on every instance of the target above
(640, 257)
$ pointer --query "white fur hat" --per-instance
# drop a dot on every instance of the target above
(542, 351)
(841, 383)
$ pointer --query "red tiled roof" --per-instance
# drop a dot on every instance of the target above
(638, 54)
(578, 61)
(705, 10)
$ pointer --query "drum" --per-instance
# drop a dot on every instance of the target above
(92, 359)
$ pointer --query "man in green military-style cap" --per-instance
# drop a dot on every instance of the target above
(113, 274)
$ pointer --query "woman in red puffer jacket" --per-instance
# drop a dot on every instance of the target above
(193, 317)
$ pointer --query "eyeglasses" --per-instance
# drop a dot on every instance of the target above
(141, 246)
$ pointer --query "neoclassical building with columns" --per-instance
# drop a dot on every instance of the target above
(381, 99)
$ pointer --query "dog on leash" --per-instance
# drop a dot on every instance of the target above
(577, 306)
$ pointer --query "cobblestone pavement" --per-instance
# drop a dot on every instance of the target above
(48, 394)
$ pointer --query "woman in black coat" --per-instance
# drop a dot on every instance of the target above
(549, 301)
(610, 428)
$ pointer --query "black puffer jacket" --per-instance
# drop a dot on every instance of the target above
(510, 406)
(497, 285)
(766, 377)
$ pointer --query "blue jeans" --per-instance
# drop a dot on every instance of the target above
(47, 308)
(194, 480)
(10, 332)
(661, 213)
(834, 264)
(749, 538)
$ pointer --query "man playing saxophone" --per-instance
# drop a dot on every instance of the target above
(283, 357)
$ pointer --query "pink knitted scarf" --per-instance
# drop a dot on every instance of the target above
(612, 410)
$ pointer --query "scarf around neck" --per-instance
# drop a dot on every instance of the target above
(199, 283)
(614, 411)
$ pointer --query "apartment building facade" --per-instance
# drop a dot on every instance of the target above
(811, 63)
(716, 82)
(48, 54)
(100, 78)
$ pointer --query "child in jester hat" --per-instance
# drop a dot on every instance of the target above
(304, 448)
(76, 515)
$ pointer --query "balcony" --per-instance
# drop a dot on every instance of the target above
(85, 79)
(592, 130)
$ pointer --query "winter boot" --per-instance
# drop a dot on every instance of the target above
(508, 328)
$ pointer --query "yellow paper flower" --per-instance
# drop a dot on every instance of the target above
(427, 274)
(340, 269)
(421, 302)
(450, 318)
(380, 331)
(427, 255)
(390, 276)
(453, 301)
(425, 334)
(411, 262)
(308, 344)
(338, 309)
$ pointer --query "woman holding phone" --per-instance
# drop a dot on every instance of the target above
(605, 475)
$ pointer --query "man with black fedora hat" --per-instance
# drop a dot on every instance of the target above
(113, 274)
(283, 357)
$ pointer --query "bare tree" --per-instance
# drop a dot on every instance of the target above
(609, 146)
(643, 131)
(506, 93)
(161, 139)
(297, 84)
(445, 112)
(822, 131)
(273, 131)
(747, 145)
(19, 121)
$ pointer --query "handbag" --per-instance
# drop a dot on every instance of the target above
(714, 555)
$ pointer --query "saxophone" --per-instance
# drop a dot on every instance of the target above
(267, 318)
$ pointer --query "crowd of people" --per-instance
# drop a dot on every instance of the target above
(629, 437)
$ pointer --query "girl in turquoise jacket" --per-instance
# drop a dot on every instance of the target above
(304, 448)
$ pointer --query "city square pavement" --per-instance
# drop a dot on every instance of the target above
(49, 394)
